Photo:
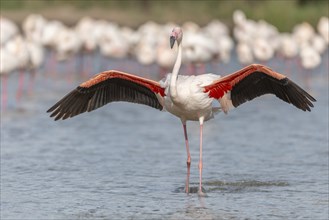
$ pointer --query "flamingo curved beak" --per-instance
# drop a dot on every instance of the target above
(172, 41)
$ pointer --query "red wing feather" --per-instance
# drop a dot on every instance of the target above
(219, 87)
(152, 85)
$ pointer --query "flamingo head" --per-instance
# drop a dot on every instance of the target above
(176, 35)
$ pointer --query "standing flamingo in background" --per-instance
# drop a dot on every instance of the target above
(18, 48)
(323, 28)
(36, 59)
(8, 61)
(8, 64)
(187, 97)
(8, 30)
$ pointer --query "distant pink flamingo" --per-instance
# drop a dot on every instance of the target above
(187, 97)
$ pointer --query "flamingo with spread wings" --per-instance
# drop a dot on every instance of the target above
(187, 97)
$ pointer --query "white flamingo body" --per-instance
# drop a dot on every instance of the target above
(113, 43)
(68, 43)
(36, 53)
(239, 18)
(303, 33)
(262, 50)
(164, 56)
(50, 33)
(288, 46)
(216, 28)
(17, 46)
(8, 61)
(8, 30)
(323, 28)
(225, 46)
(145, 54)
(319, 43)
(244, 52)
(33, 27)
(15, 56)
(310, 58)
(193, 102)
(86, 31)
(198, 48)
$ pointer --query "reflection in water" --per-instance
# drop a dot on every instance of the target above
(196, 208)
(243, 186)
(231, 187)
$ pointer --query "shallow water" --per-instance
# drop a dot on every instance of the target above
(264, 160)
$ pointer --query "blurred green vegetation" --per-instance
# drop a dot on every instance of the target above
(284, 14)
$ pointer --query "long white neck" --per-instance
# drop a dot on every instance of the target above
(174, 74)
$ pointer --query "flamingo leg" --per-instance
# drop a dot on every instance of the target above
(188, 162)
(80, 64)
(70, 70)
(201, 119)
(202, 68)
(4, 97)
(31, 82)
(191, 69)
(53, 68)
(19, 92)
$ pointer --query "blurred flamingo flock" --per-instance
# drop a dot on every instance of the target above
(46, 48)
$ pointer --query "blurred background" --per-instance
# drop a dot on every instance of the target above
(264, 160)
(281, 13)
(86, 37)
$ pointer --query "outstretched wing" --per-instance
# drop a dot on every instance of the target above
(256, 80)
(106, 87)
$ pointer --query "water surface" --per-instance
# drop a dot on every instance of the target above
(264, 160)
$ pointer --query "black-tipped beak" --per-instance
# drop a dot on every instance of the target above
(172, 41)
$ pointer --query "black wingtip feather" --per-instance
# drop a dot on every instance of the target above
(259, 83)
(83, 99)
